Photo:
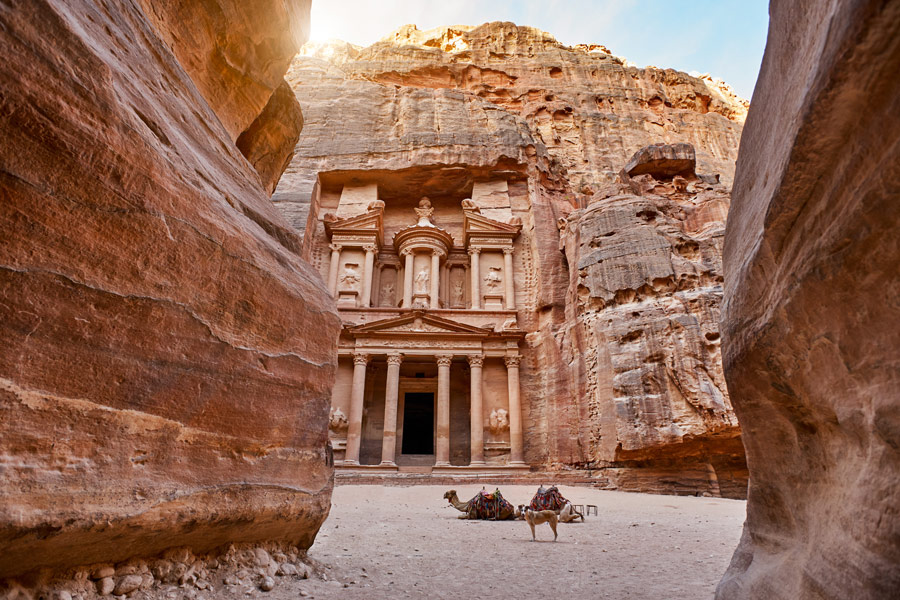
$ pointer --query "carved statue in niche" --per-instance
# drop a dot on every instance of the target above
(338, 421)
(422, 281)
(424, 212)
(387, 294)
(492, 280)
(458, 292)
(350, 277)
(498, 421)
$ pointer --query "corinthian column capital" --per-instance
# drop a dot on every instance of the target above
(475, 360)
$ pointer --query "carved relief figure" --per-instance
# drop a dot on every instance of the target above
(492, 280)
(387, 294)
(422, 281)
(424, 212)
(338, 421)
(458, 292)
(350, 277)
(499, 421)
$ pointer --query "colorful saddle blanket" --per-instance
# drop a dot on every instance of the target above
(548, 499)
(489, 505)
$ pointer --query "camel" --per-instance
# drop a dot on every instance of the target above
(536, 517)
(470, 508)
(568, 513)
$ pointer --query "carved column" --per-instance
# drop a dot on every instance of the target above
(435, 279)
(333, 268)
(476, 411)
(516, 453)
(476, 276)
(391, 395)
(371, 249)
(408, 278)
(442, 452)
(508, 275)
(360, 360)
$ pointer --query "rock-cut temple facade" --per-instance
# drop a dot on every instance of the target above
(429, 354)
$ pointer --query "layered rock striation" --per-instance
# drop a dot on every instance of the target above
(621, 363)
(811, 316)
(167, 356)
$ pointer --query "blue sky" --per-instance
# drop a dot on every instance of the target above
(724, 38)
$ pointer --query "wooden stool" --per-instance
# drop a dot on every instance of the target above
(589, 507)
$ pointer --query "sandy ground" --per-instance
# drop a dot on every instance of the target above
(406, 542)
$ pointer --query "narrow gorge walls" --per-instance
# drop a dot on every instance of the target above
(811, 317)
(166, 357)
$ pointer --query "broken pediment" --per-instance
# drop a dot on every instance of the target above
(477, 225)
(368, 223)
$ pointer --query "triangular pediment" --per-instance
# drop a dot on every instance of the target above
(368, 221)
(418, 322)
(477, 226)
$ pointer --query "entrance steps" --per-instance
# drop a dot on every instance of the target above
(420, 469)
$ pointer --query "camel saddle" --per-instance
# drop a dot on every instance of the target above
(548, 499)
(488, 505)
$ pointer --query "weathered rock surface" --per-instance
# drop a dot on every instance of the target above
(167, 356)
(622, 370)
(590, 109)
(236, 54)
(811, 316)
(642, 336)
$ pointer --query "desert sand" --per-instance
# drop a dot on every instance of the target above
(407, 542)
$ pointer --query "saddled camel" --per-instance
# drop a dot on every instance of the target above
(498, 508)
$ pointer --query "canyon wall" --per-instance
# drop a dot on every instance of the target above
(811, 317)
(167, 356)
(559, 124)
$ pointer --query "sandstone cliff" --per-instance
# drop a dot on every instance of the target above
(641, 330)
(622, 362)
(167, 356)
(811, 317)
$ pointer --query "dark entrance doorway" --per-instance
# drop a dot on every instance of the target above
(418, 423)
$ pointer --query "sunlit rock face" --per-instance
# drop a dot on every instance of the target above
(167, 356)
(621, 366)
(811, 316)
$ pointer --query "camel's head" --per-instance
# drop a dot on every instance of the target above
(450, 495)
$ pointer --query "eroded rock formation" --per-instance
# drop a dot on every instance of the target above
(167, 356)
(642, 328)
(811, 317)
(621, 362)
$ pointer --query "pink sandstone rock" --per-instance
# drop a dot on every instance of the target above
(811, 316)
(167, 356)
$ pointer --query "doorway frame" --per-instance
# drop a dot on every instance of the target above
(414, 385)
